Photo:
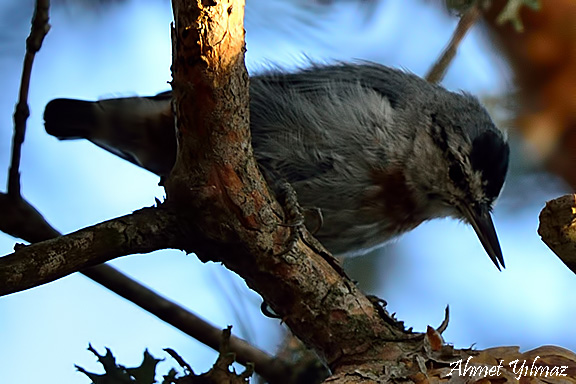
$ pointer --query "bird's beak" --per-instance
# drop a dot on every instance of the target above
(481, 221)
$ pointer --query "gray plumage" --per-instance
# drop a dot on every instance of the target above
(377, 150)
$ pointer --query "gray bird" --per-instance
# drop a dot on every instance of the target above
(376, 149)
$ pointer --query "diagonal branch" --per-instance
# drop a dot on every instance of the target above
(273, 369)
(143, 231)
(22, 220)
(438, 70)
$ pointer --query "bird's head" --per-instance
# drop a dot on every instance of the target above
(461, 166)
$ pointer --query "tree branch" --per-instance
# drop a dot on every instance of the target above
(143, 231)
(216, 186)
(24, 221)
(558, 228)
(438, 70)
(40, 28)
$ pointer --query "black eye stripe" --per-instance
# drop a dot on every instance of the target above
(456, 170)
(490, 155)
(457, 175)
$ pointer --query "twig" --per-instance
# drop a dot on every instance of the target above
(438, 70)
(40, 28)
(444, 324)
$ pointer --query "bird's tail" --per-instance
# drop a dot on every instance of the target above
(70, 119)
(138, 129)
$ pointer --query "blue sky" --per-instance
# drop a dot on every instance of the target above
(125, 50)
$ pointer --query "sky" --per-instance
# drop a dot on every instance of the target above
(124, 50)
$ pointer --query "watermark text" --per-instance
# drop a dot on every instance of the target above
(518, 368)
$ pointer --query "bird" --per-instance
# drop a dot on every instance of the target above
(377, 150)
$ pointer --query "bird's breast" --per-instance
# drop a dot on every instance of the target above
(393, 200)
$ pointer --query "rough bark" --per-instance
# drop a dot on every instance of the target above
(558, 228)
(143, 231)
